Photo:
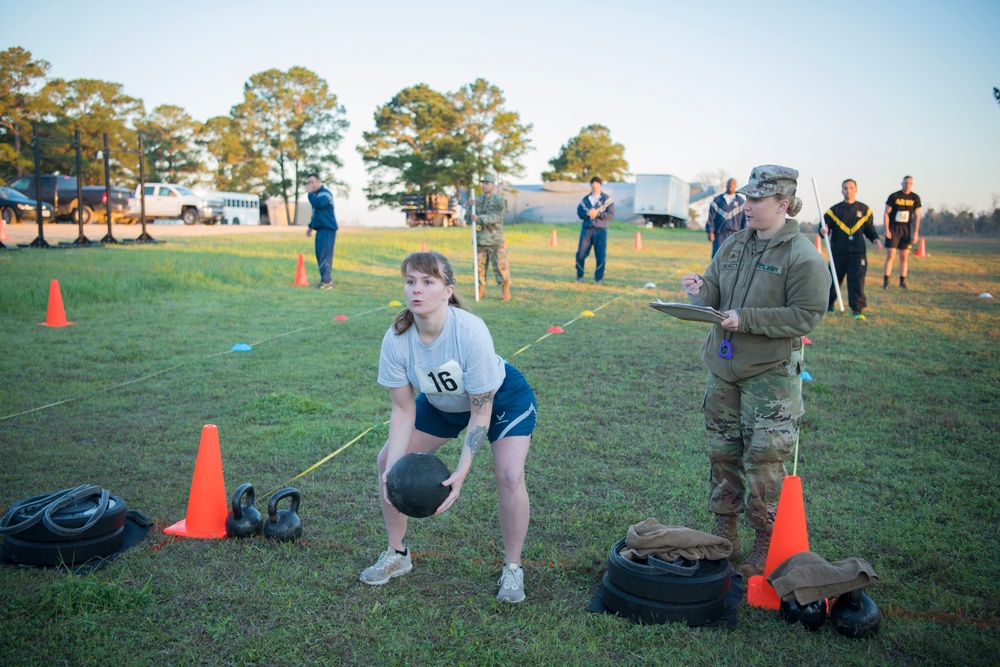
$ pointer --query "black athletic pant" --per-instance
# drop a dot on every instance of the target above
(854, 266)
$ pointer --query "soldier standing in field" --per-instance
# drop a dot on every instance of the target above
(848, 224)
(771, 286)
(488, 219)
(902, 228)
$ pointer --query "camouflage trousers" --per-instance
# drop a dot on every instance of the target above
(497, 256)
(752, 426)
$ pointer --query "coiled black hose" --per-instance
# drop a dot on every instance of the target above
(41, 508)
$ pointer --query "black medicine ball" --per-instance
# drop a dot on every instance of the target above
(414, 484)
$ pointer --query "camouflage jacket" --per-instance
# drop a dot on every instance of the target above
(779, 289)
(490, 212)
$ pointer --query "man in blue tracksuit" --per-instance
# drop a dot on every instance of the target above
(725, 216)
(324, 222)
(596, 210)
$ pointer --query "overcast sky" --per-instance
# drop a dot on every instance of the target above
(865, 90)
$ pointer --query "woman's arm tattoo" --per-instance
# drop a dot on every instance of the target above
(477, 436)
(481, 400)
(475, 439)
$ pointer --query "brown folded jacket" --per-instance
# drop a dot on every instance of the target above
(807, 577)
(671, 542)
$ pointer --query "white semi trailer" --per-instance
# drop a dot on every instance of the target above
(662, 199)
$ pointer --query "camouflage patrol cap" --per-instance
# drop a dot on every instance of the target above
(770, 179)
(488, 179)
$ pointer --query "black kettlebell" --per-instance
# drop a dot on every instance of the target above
(283, 525)
(812, 616)
(856, 615)
(244, 520)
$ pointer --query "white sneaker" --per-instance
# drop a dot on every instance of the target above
(390, 564)
(511, 584)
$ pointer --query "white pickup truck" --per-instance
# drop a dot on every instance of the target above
(171, 202)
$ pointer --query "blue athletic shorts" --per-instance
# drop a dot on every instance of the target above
(514, 412)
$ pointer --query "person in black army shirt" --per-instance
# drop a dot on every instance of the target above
(902, 227)
(848, 224)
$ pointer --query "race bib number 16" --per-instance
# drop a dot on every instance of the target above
(445, 379)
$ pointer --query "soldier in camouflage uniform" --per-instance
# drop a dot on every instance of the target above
(772, 287)
(490, 210)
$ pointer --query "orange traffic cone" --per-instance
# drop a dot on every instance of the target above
(3, 230)
(207, 511)
(788, 537)
(921, 249)
(56, 316)
(819, 243)
(423, 247)
(638, 241)
(300, 273)
(553, 242)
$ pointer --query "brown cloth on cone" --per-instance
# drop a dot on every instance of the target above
(807, 577)
(668, 543)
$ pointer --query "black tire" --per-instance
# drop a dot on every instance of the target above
(710, 582)
(85, 211)
(56, 553)
(651, 612)
(189, 216)
(235, 221)
(8, 215)
(75, 516)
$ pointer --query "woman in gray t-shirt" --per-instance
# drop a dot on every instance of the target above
(445, 353)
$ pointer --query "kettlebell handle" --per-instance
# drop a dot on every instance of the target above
(272, 504)
(243, 490)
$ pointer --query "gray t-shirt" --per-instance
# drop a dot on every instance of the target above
(461, 361)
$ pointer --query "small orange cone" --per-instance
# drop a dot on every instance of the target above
(553, 242)
(3, 230)
(56, 316)
(340, 318)
(921, 249)
(300, 273)
(638, 241)
(423, 247)
(556, 330)
(819, 243)
(788, 537)
(207, 511)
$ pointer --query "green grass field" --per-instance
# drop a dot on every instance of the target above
(899, 457)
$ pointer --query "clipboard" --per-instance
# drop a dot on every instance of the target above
(686, 311)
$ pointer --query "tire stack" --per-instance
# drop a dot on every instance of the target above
(69, 527)
(654, 592)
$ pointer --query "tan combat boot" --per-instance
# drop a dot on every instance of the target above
(506, 292)
(754, 564)
(725, 527)
(482, 291)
